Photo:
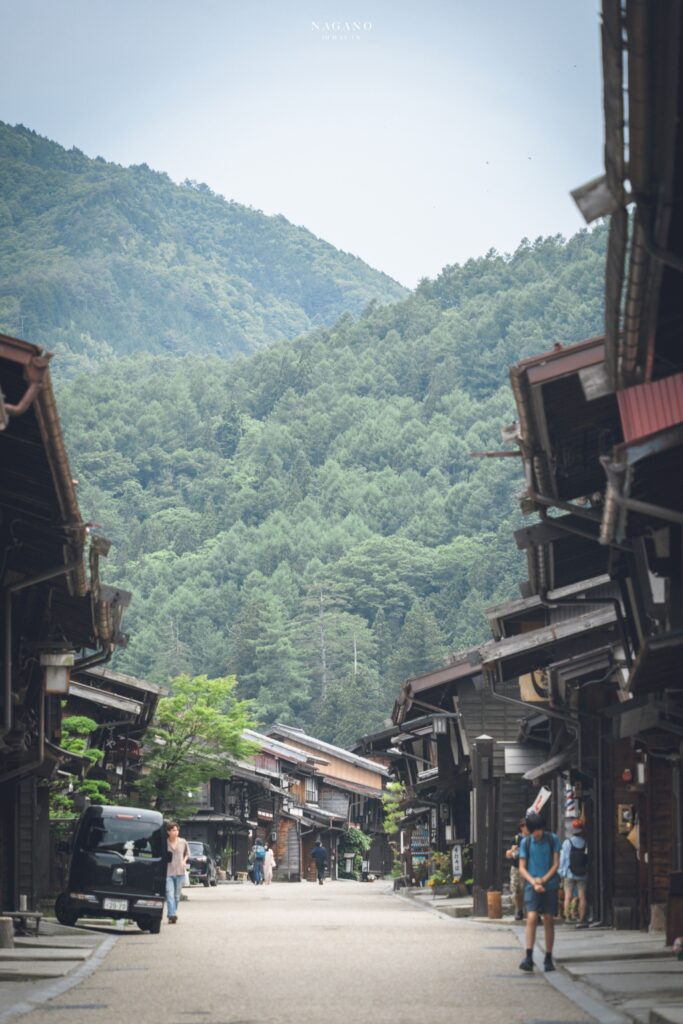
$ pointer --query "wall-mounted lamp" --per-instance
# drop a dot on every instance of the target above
(57, 671)
(439, 725)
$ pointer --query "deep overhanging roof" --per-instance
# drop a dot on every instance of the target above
(537, 639)
(120, 678)
(463, 665)
(106, 698)
(280, 750)
(650, 465)
(352, 787)
(36, 483)
(641, 60)
(497, 613)
(294, 734)
(659, 664)
(553, 764)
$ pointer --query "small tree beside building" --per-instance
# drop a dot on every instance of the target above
(196, 736)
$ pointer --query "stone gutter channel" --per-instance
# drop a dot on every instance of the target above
(617, 977)
(40, 967)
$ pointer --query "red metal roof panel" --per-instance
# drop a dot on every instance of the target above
(647, 408)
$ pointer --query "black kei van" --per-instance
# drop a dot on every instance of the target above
(119, 857)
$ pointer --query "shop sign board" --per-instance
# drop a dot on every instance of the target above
(456, 860)
(541, 800)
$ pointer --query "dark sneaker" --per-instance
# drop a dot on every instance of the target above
(548, 965)
(582, 924)
(526, 964)
(519, 916)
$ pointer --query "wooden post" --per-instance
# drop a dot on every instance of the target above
(484, 825)
(6, 933)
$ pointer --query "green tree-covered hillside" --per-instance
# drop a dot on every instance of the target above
(310, 518)
(102, 257)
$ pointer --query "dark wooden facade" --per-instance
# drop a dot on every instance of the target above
(55, 606)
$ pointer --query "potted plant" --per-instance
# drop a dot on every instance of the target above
(442, 882)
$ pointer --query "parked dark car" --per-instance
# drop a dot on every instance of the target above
(203, 866)
(119, 857)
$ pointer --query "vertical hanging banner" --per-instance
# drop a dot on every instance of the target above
(456, 861)
(541, 800)
(571, 803)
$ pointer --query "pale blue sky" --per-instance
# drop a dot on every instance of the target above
(437, 131)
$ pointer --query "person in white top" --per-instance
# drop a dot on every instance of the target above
(177, 866)
(268, 865)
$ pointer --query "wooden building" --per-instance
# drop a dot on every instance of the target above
(123, 708)
(344, 790)
(294, 790)
(453, 747)
(58, 616)
(601, 436)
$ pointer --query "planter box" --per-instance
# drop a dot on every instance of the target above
(453, 890)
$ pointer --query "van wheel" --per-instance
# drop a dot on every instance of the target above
(207, 883)
(155, 925)
(144, 923)
(63, 913)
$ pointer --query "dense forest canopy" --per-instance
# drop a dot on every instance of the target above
(102, 258)
(310, 518)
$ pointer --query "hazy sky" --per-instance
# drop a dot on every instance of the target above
(431, 133)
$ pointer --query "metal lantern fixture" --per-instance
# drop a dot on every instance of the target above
(439, 725)
(57, 671)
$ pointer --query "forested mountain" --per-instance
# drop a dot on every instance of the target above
(105, 258)
(310, 517)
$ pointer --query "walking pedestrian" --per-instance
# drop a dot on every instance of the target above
(319, 855)
(177, 866)
(516, 880)
(259, 858)
(268, 865)
(539, 861)
(574, 871)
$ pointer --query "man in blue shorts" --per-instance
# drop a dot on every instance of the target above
(539, 860)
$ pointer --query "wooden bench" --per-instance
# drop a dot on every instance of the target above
(21, 919)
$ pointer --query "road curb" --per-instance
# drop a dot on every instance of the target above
(575, 990)
(572, 990)
(56, 988)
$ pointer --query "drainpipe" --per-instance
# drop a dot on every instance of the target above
(14, 588)
(104, 654)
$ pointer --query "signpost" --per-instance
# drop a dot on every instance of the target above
(456, 861)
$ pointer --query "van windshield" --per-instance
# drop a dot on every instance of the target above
(130, 839)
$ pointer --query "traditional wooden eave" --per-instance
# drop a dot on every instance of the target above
(36, 483)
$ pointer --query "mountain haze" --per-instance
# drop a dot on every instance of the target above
(107, 259)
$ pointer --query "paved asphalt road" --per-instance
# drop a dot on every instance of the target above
(342, 953)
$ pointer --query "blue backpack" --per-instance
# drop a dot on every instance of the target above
(260, 853)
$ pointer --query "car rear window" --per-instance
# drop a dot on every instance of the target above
(130, 839)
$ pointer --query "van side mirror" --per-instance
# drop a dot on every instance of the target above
(63, 846)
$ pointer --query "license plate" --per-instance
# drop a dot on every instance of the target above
(115, 904)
